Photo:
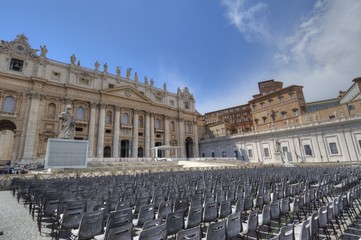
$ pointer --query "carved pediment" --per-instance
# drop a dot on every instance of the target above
(127, 92)
(19, 46)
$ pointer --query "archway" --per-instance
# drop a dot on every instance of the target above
(189, 147)
(107, 152)
(140, 152)
(7, 133)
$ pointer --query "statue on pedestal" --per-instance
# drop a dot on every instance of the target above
(44, 51)
(67, 124)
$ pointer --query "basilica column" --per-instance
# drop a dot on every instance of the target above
(116, 132)
(91, 132)
(181, 139)
(135, 133)
(195, 134)
(101, 129)
(166, 135)
(152, 134)
(31, 128)
(147, 135)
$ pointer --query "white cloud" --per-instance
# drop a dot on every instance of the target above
(324, 53)
(248, 20)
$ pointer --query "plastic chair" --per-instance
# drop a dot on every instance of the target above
(265, 217)
(91, 224)
(225, 209)
(123, 232)
(164, 208)
(210, 212)
(216, 231)
(194, 216)
(146, 213)
(251, 224)
(302, 230)
(175, 222)
(234, 225)
(190, 234)
(152, 223)
(287, 233)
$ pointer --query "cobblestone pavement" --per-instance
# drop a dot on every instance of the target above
(15, 221)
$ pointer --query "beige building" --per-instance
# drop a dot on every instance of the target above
(120, 116)
(235, 120)
(277, 106)
(330, 131)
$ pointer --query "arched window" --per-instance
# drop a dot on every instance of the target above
(140, 122)
(109, 117)
(9, 104)
(125, 119)
(172, 126)
(51, 109)
(157, 123)
(79, 115)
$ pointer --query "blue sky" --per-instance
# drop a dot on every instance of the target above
(220, 49)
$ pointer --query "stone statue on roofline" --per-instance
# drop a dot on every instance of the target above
(44, 51)
(96, 65)
(67, 124)
(105, 67)
(73, 59)
(118, 70)
(129, 72)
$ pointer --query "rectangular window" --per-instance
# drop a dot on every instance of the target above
(250, 153)
(203, 155)
(236, 154)
(108, 130)
(16, 65)
(186, 105)
(266, 152)
(213, 154)
(333, 148)
(284, 149)
(111, 85)
(172, 102)
(308, 150)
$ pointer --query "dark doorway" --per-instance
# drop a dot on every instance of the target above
(189, 147)
(124, 148)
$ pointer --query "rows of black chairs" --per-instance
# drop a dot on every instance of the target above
(262, 203)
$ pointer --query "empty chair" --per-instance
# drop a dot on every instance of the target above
(251, 224)
(323, 219)
(240, 205)
(91, 224)
(154, 233)
(265, 217)
(302, 230)
(196, 200)
(285, 207)
(71, 217)
(314, 225)
(122, 205)
(258, 202)
(194, 216)
(123, 232)
(175, 222)
(287, 233)
(234, 225)
(225, 209)
(248, 203)
(275, 210)
(146, 213)
(216, 231)
(210, 212)
(152, 223)
(190, 234)
(181, 204)
(164, 208)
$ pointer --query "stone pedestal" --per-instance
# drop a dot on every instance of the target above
(64, 153)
